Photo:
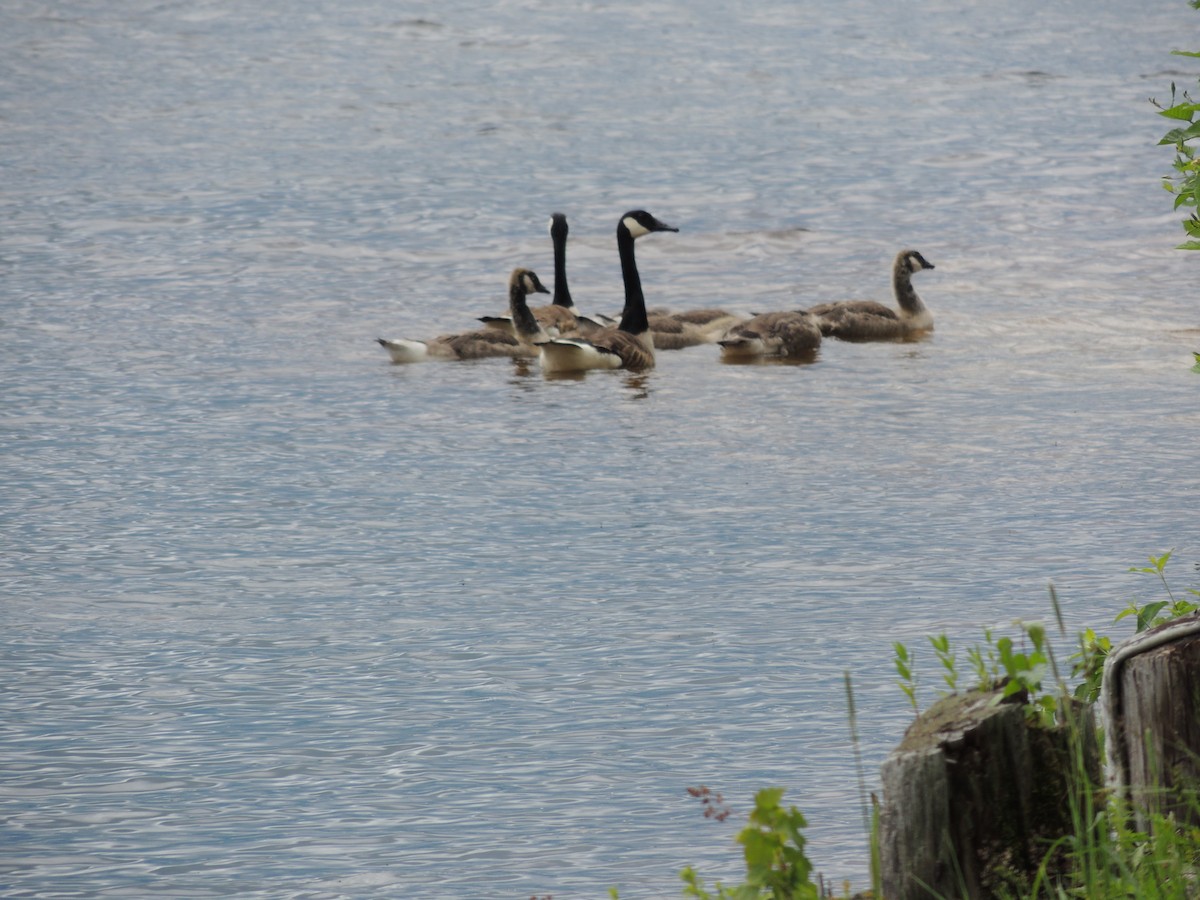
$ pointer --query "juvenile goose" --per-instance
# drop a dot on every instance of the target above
(559, 316)
(783, 334)
(866, 320)
(629, 344)
(485, 342)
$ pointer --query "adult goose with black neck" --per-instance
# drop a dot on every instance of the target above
(629, 345)
(560, 316)
(486, 342)
(866, 320)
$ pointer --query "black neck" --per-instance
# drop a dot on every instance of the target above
(524, 323)
(906, 296)
(562, 294)
(633, 317)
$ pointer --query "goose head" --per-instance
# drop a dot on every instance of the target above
(638, 222)
(558, 226)
(913, 261)
(526, 281)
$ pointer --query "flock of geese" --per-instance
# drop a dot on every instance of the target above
(565, 340)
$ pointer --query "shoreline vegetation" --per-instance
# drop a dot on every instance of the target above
(1110, 846)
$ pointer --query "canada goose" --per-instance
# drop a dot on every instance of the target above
(866, 320)
(485, 342)
(785, 334)
(559, 317)
(628, 345)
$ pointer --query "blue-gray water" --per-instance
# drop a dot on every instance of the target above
(281, 619)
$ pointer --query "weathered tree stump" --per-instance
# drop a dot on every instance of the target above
(1151, 699)
(974, 796)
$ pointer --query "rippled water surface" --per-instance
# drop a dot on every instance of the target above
(283, 619)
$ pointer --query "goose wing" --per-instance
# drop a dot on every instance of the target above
(835, 311)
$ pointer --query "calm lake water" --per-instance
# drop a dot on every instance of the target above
(281, 619)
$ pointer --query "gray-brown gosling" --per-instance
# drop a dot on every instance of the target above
(486, 342)
(866, 320)
(793, 335)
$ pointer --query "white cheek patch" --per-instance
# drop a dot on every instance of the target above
(635, 228)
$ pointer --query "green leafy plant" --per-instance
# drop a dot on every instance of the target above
(1088, 664)
(983, 660)
(908, 681)
(999, 663)
(1185, 183)
(1160, 611)
(1088, 661)
(773, 847)
(946, 656)
(1024, 668)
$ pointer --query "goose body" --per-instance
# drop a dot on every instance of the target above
(674, 331)
(866, 320)
(485, 342)
(560, 316)
(776, 334)
(629, 345)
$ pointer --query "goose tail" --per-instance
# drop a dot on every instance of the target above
(404, 351)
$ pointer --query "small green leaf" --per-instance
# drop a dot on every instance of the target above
(1147, 613)
(1037, 634)
(1012, 687)
(1177, 135)
(1183, 111)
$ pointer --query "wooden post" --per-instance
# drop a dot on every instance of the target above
(1151, 699)
(974, 796)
